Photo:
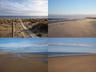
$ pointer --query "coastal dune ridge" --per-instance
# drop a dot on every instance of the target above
(72, 27)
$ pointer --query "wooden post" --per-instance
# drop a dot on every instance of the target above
(13, 30)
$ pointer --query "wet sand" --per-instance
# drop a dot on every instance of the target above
(75, 28)
(72, 64)
(25, 63)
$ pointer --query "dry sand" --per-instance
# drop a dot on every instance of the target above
(72, 64)
(12, 63)
(75, 28)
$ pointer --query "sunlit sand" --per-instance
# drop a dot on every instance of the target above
(73, 28)
(85, 63)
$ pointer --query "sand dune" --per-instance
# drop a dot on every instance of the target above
(72, 64)
(75, 28)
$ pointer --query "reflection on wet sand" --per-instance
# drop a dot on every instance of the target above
(12, 62)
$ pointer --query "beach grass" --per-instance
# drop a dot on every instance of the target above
(40, 30)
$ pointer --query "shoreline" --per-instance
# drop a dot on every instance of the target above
(72, 55)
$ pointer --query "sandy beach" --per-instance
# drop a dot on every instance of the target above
(25, 63)
(75, 28)
(72, 64)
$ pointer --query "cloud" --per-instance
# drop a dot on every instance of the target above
(73, 44)
(72, 47)
(24, 7)
(23, 47)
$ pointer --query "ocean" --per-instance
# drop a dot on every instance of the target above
(59, 54)
(23, 17)
(62, 18)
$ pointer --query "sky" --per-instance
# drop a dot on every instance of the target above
(82, 45)
(72, 7)
(23, 45)
(24, 7)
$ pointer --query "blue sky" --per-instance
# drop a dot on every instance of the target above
(70, 7)
(85, 45)
(24, 7)
(23, 44)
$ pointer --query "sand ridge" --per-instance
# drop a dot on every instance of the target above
(75, 28)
